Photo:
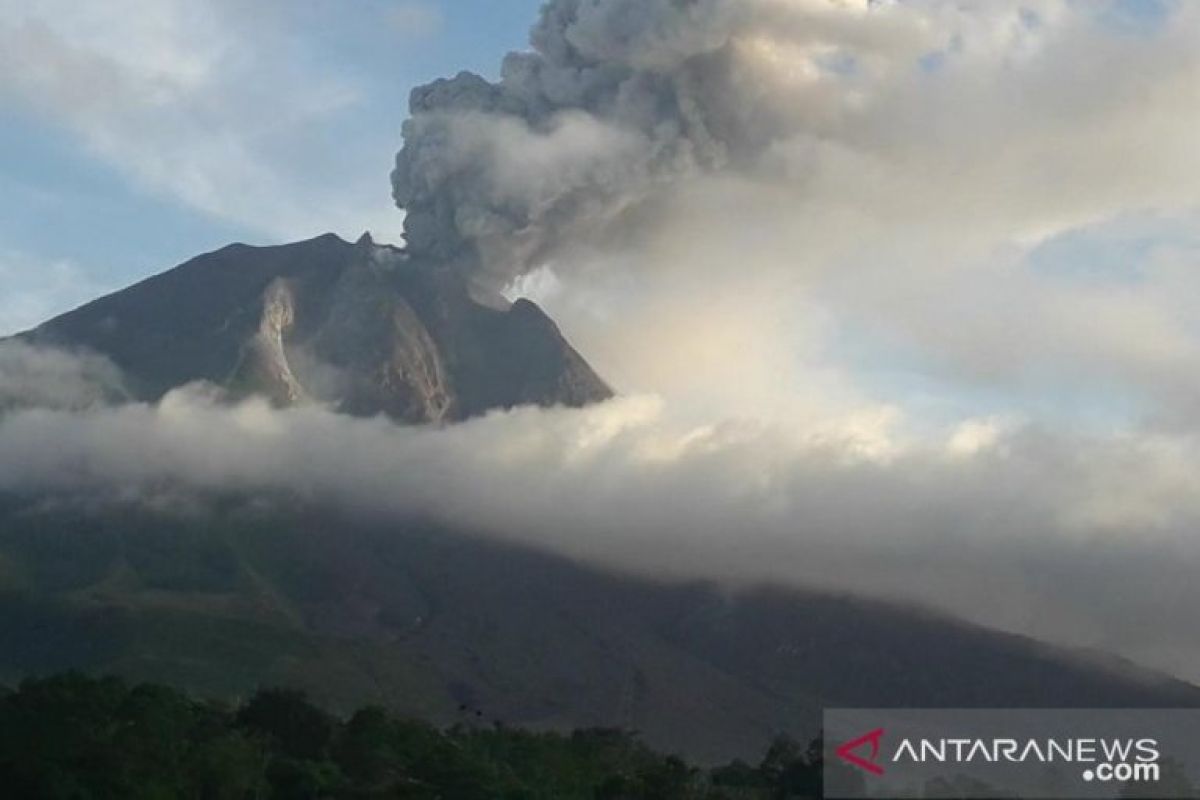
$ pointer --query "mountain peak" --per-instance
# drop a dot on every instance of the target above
(358, 327)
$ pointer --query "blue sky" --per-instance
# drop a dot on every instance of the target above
(304, 99)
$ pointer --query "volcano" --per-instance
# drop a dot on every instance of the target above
(361, 328)
(244, 590)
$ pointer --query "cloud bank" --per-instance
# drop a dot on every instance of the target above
(45, 378)
(801, 206)
(924, 110)
(1074, 540)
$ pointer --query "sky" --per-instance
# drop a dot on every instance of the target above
(898, 296)
(138, 133)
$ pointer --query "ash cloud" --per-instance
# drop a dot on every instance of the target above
(816, 170)
(616, 99)
(770, 204)
(721, 192)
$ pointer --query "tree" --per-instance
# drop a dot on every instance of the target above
(302, 730)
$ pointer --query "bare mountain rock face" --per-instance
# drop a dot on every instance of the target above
(360, 327)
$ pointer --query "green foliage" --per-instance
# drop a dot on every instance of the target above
(79, 738)
(298, 729)
(73, 737)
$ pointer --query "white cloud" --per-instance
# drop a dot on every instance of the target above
(1075, 539)
(39, 377)
(888, 227)
(212, 105)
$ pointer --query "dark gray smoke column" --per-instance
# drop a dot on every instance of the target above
(616, 98)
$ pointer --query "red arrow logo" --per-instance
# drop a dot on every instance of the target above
(847, 754)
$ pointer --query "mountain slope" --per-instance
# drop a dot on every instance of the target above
(222, 594)
(360, 327)
(438, 624)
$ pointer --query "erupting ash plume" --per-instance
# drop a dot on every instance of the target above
(620, 98)
(869, 218)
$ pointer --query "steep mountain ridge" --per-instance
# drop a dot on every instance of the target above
(360, 327)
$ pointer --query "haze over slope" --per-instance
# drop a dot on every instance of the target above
(273, 588)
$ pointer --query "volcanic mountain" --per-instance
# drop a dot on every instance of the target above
(359, 327)
(243, 590)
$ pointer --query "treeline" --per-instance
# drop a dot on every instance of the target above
(79, 738)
